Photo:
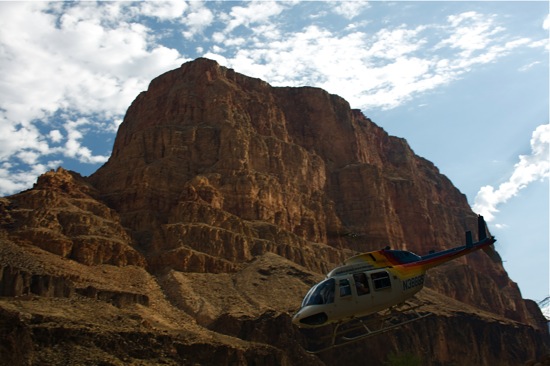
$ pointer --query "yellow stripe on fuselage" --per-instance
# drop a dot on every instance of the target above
(393, 261)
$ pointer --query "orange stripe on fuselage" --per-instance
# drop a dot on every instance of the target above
(385, 259)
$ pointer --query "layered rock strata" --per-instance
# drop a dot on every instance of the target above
(224, 200)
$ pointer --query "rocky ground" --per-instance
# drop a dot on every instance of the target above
(202, 318)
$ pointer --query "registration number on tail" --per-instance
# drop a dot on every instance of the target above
(413, 282)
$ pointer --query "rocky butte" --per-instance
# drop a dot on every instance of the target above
(224, 200)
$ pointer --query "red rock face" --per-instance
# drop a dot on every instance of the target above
(211, 168)
(224, 200)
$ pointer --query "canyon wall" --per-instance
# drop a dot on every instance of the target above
(225, 199)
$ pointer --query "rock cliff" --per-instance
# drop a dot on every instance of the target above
(224, 200)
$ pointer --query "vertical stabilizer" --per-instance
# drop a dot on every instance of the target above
(469, 239)
(481, 228)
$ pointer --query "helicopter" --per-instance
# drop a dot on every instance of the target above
(379, 282)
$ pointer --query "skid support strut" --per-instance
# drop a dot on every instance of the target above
(356, 329)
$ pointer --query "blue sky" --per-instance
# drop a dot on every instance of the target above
(466, 83)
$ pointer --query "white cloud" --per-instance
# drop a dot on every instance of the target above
(218, 37)
(164, 10)
(28, 157)
(380, 70)
(72, 59)
(73, 147)
(394, 43)
(530, 168)
(197, 20)
(349, 8)
(254, 12)
(15, 138)
(55, 135)
(529, 66)
(13, 180)
(471, 32)
(85, 58)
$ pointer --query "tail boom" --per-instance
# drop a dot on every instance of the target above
(484, 242)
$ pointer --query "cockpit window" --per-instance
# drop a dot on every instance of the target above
(322, 293)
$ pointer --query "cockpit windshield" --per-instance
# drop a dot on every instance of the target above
(321, 293)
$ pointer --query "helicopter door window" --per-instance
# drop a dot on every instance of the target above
(345, 288)
(381, 280)
(361, 284)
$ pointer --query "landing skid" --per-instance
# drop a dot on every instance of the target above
(354, 330)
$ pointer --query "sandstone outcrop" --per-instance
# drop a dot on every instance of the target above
(61, 216)
(224, 200)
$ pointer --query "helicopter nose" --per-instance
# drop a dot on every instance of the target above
(296, 318)
(308, 319)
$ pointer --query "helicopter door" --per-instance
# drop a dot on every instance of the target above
(362, 295)
(344, 302)
(382, 288)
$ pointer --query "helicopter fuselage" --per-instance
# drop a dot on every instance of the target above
(371, 282)
(355, 292)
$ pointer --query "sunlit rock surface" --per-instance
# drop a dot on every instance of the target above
(224, 200)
